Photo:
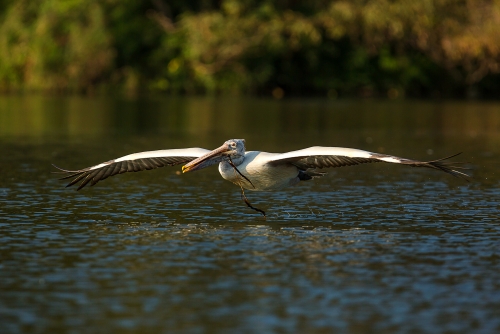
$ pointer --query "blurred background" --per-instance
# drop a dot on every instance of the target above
(328, 48)
(377, 248)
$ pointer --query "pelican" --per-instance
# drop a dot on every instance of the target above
(252, 170)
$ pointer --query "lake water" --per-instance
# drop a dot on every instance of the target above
(367, 249)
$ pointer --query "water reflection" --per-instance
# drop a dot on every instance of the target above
(240, 117)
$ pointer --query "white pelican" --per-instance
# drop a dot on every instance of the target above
(253, 170)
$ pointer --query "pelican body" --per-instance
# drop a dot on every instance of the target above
(252, 170)
(262, 179)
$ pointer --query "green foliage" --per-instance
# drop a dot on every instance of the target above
(54, 45)
(328, 47)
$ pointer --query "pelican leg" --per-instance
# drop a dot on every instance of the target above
(247, 202)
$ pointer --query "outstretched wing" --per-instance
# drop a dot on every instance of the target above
(325, 157)
(131, 163)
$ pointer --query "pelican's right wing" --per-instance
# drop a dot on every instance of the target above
(324, 157)
(132, 163)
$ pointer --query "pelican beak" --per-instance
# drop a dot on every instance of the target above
(208, 159)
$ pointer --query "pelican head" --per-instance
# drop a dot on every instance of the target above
(233, 149)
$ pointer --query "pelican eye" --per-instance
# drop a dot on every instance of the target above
(233, 144)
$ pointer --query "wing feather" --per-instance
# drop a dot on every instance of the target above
(123, 167)
(97, 175)
(131, 163)
(331, 157)
(130, 166)
(84, 182)
(147, 164)
(157, 162)
(76, 179)
(114, 169)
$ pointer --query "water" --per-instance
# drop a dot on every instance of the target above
(375, 248)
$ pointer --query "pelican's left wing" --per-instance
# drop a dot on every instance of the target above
(132, 163)
(324, 157)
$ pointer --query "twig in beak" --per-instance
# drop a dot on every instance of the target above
(245, 199)
(236, 169)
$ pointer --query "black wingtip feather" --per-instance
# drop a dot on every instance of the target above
(62, 170)
(449, 167)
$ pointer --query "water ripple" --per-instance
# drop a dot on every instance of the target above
(378, 255)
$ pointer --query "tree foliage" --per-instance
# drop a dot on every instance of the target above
(347, 47)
